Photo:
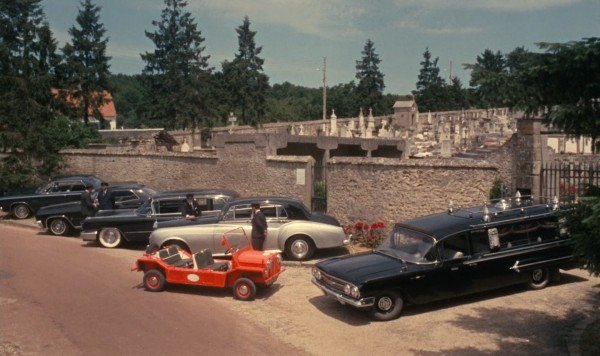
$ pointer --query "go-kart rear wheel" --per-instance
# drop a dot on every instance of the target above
(244, 289)
(58, 226)
(154, 280)
(110, 237)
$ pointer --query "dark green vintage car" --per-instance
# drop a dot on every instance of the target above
(450, 254)
(113, 227)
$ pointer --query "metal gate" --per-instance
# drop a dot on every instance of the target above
(568, 179)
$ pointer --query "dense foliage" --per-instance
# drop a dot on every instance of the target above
(583, 223)
(246, 81)
(86, 67)
(176, 73)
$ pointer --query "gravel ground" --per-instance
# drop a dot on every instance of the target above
(513, 320)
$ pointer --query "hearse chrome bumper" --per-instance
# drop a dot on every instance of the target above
(344, 299)
(89, 235)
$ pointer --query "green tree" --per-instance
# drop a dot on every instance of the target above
(245, 78)
(27, 62)
(176, 72)
(369, 90)
(457, 96)
(563, 84)
(86, 68)
(431, 93)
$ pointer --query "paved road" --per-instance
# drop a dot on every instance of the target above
(61, 296)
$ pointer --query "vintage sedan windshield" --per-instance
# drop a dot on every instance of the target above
(407, 245)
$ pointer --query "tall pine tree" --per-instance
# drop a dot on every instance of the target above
(176, 72)
(369, 90)
(87, 68)
(431, 93)
(245, 77)
(27, 62)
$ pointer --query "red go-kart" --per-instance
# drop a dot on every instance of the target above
(247, 268)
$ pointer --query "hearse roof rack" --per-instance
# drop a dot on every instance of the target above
(496, 207)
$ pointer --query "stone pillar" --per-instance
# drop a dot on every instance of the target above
(333, 130)
(361, 123)
(528, 161)
(370, 124)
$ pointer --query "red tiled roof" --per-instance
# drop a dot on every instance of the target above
(107, 110)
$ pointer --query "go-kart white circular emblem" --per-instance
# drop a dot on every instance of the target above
(193, 277)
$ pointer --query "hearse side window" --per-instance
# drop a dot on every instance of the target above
(63, 187)
(547, 230)
(78, 187)
(518, 234)
(454, 247)
(480, 243)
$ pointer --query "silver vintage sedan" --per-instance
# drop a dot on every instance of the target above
(293, 229)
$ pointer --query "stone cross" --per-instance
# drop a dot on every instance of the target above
(333, 129)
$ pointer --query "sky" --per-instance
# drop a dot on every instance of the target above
(296, 34)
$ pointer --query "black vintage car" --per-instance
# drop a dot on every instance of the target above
(60, 219)
(451, 254)
(61, 189)
(111, 227)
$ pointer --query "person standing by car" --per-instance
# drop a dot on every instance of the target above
(259, 227)
(189, 208)
(105, 199)
(88, 205)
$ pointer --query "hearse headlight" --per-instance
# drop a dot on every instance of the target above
(347, 289)
(316, 273)
(354, 292)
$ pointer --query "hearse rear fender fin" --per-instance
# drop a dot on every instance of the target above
(517, 267)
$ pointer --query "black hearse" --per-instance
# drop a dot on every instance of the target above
(449, 254)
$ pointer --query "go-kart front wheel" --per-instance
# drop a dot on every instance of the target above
(244, 289)
(154, 280)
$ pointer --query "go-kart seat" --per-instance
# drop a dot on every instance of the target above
(204, 259)
(164, 253)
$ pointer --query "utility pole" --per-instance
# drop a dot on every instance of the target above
(324, 88)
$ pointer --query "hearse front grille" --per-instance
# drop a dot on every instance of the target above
(333, 282)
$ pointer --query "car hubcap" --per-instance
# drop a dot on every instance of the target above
(153, 281)
(243, 290)
(58, 226)
(299, 248)
(537, 275)
(21, 212)
(385, 303)
(110, 237)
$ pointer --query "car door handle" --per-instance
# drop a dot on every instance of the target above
(418, 277)
(454, 268)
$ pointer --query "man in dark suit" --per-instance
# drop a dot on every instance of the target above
(88, 206)
(259, 227)
(189, 208)
(105, 199)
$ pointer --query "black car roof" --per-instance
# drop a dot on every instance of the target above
(183, 193)
(126, 185)
(445, 224)
(74, 176)
(279, 199)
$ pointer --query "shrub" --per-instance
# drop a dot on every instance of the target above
(369, 235)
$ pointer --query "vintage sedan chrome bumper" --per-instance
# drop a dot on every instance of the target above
(89, 235)
(360, 303)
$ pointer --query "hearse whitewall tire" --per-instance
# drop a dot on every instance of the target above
(539, 278)
(110, 237)
(58, 226)
(388, 305)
